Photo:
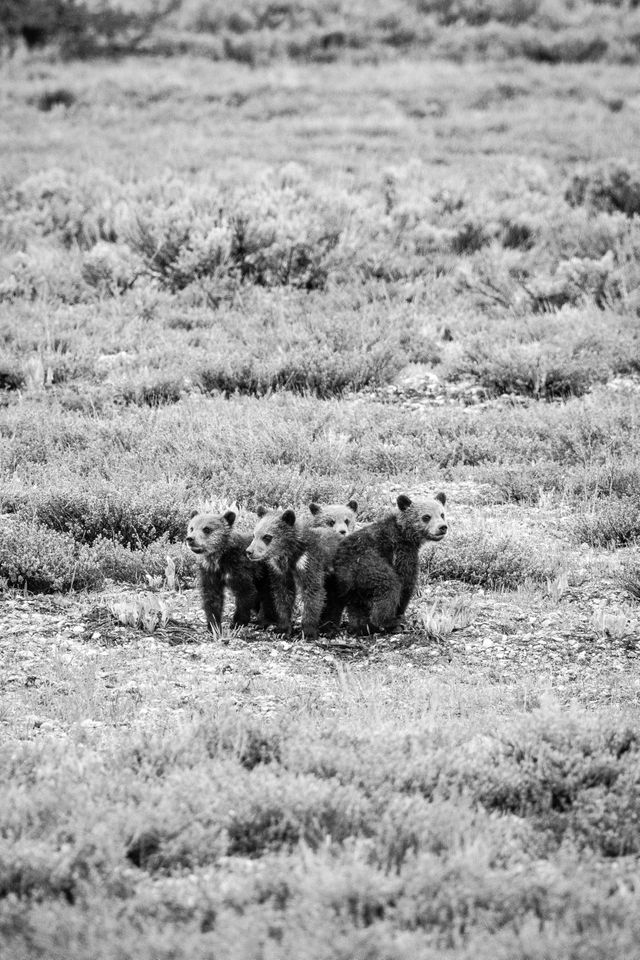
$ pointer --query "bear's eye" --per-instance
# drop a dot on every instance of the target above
(331, 523)
(426, 518)
(206, 531)
(267, 538)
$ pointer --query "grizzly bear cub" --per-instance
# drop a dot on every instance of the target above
(223, 562)
(298, 558)
(375, 570)
(334, 516)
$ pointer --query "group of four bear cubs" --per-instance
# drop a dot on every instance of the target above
(371, 571)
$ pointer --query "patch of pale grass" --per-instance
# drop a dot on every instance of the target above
(618, 622)
(445, 617)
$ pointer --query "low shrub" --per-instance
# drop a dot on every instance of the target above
(79, 210)
(606, 187)
(614, 523)
(281, 811)
(11, 375)
(630, 578)
(533, 369)
(518, 232)
(160, 563)
(78, 28)
(58, 97)
(579, 233)
(616, 478)
(42, 272)
(490, 561)
(568, 781)
(41, 560)
(110, 268)
(525, 483)
(575, 281)
(149, 388)
(318, 370)
(87, 516)
(579, 45)
(271, 238)
(470, 237)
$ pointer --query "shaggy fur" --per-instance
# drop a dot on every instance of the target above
(223, 562)
(376, 568)
(334, 516)
(298, 558)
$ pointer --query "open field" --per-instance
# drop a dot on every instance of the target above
(223, 285)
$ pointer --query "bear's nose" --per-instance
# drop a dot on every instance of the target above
(249, 552)
(442, 528)
(191, 540)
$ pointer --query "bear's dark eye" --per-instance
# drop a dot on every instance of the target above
(426, 518)
(331, 523)
(206, 531)
(267, 538)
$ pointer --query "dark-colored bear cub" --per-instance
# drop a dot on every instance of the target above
(223, 562)
(298, 558)
(376, 568)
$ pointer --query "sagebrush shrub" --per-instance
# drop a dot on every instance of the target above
(491, 561)
(316, 370)
(533, 369)
(79, 29)
(612, 523)
(124, 565)
(87, 516)
(43, 560)
(78, 210)
(110, 267)
(41, 271)
(470, 237)
(11, 375)
(273, 237)
(569, 781)
(577, 280)
(609, 187)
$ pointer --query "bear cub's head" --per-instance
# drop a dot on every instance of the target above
(208, 533)
(273, 537)
(422, 519)
(336, 516)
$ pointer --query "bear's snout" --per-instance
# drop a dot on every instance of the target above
(191, 540)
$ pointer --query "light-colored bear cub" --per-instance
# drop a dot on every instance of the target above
(341, 518)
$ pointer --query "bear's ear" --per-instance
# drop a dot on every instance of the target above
(194, 513)
(353, 505)
(230, 517)
(261, 511)
(315, 508)
(289, 517)
(403, 501)
(441, 497)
